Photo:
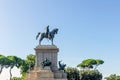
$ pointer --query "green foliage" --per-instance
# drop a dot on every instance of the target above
(113, 77)
(10, 61)
(72, 73)
(23, 75)
(99, 62)
(90, 63)
(89, 71)
(17, 78)
(2, 62)
(75, 74)
(27, 65)
(31, 60)
(90, 75)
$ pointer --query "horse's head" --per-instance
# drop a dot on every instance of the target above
(55, 31)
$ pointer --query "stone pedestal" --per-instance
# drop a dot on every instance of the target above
(47, 51)
(38, 74)
(47, 73)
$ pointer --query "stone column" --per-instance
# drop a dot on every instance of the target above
(47, 51)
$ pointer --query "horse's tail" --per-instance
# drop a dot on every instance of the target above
(37, 35)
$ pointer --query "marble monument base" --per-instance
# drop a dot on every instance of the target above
(45, 74)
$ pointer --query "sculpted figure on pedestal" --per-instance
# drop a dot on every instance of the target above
(46, 62)
(62, 66)
(47, 34)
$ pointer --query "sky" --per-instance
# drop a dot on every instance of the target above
(87, 29)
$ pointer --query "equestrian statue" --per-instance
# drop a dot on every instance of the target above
(47, 34)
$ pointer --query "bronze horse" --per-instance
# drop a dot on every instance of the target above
(47, 34)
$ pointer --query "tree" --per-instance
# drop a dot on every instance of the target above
(31, 60)
(99, 62)
(87, 64)
(113, 77)
(89, 71)
(90, 75)
(12, 62)
(90, 63)
(72, 73)
(25, 67)
(2, 62)
(28, 64)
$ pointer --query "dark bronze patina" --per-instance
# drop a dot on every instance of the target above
(47, 34)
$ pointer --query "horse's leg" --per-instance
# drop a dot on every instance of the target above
(40, 40)
(52, 41)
